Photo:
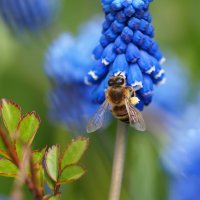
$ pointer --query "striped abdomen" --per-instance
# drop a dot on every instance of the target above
(120, 112)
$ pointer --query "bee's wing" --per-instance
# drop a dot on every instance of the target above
(96, 122)
(135, 116)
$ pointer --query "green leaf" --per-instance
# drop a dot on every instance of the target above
(28, 127)
(52, 162)
(11, 114)
(49, 181)
(38, 156)
(7, 168)
(26, 130)
(39, 171)
(71, 173)
(3, 150)
(57, 197)
(74, 151)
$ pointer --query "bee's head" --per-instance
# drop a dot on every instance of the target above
(116, 81)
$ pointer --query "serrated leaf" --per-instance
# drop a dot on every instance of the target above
(52, 162)
(11, 114)
(49, 181)
(57, 197)
(74, 151)
(26, 130)
(71, 173)
(38, 156)
(28, 127)
(7, 168)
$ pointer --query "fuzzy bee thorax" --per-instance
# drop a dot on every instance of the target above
(117, 95)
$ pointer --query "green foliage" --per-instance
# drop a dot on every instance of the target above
(28, 127)
(38, 155)
(56, 197)
(39, 176)
(26, 130)
(65, 168)
(20, 160)
(49, 181)
(7, 168)
(74, 151)
(11, 115)
(52, 162)
(71, 173)
(3, 150)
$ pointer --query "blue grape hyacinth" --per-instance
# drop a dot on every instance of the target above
(28, 15)
(126, 46)
(181, 157)
(70, 99)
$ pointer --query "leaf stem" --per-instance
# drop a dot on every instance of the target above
(57, 189)
(118, 162)
(38, 192)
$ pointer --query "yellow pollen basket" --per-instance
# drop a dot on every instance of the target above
(134, 100)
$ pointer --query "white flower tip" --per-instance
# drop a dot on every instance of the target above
(152, 69)
(162, 82)
(162, 61)
(159, 74)
(105, 62)
(137, 85)
(86, 81)
(93, 75)
(120, 73)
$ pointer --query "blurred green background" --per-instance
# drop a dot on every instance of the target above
(22, 79)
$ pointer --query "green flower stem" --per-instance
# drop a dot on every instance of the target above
(118, 162)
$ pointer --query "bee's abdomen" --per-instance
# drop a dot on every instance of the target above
(120, 113)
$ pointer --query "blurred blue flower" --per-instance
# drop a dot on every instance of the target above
(67, 62)
(172, 97)
(185, 188)
(181, 158)
(170, 101)
(70, 105)
(31, 15)
(127, 46)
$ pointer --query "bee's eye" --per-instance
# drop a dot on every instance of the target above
(120, 81)
(110, 82)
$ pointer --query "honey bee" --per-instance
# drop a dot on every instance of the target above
(121, 100)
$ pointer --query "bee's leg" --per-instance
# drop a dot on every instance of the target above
(133, 98)
(133, 94)
(132, 91)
